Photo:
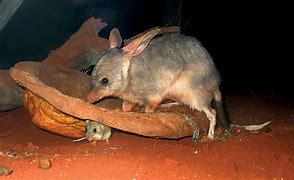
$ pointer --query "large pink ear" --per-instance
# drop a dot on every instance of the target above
(139, 44)
(115, 38)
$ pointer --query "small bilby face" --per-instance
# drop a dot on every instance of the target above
(108, 76)
(96, 131)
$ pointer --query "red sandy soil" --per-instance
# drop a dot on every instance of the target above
(266, 154)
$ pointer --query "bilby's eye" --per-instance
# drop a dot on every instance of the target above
(104, 81)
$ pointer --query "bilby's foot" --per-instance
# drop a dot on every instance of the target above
(210, 136)
(211, 115)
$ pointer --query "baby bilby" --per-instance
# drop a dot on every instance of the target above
(95, 131)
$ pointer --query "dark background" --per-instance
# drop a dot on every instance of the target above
(248, 40)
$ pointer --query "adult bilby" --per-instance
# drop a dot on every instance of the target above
(148, 70)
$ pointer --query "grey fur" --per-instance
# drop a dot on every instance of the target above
(173, 66)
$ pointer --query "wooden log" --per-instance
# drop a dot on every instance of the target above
(159, 124)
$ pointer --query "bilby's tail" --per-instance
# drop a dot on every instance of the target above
(221, 117)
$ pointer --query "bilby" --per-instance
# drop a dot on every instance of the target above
(150, 69)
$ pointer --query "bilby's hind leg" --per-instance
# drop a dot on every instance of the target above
(199, 100)
(211, 115)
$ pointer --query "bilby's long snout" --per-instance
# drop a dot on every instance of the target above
(93, 96)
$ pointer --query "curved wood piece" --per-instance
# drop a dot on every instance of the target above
(160, 124)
